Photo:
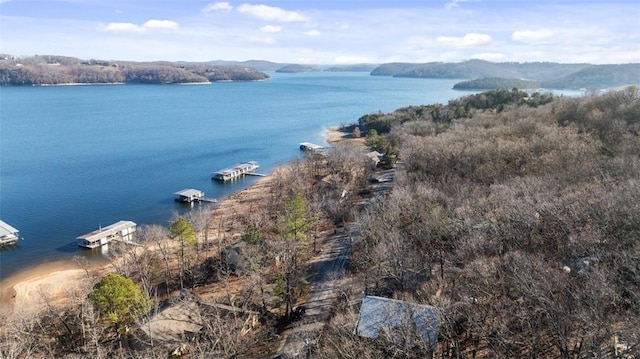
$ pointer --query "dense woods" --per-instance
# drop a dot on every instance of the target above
(491, 83)
(515, 215)
(520, 225)
(60, 70)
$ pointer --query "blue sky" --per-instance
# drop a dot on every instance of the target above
(325, 32)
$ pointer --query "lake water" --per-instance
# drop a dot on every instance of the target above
(73, 158)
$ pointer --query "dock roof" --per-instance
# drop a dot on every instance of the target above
(189, 192)
(6, 229)
(310, 146)
(107, 231)
(245, 165)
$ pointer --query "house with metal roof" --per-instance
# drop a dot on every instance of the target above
(397, 320)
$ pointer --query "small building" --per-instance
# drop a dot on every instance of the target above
(189, 195)
(231, 173)
(310, 147)
(8, 234)
(397, 320)
(122, 230)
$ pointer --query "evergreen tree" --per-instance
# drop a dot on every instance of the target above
(120, 300)
(182, 230)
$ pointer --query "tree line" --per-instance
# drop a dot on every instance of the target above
(59, 70)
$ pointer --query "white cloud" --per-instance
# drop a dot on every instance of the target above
(471, 39)
(161, 25)
(270, 13)
(219, 6)
(4, 1)
(127, 27)
(312, 33)
(532, 37)
(122, 27)
(271, 28)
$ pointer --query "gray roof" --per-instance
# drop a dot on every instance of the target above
(107, 231)
(390, 317)
(7, 230)
(189, 192)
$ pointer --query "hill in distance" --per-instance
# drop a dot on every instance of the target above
(477, 74)
(493, 75)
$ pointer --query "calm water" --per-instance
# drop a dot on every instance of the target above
(78, 157)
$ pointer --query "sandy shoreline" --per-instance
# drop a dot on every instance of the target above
(49, 280)
(55, 281)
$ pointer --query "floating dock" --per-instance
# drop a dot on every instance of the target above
(122, 230)
(191, 195)
(231, 173)
(8, 234)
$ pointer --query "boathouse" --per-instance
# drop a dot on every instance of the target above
(189, 195)
(8, 234)
(234, 172)
(310, 147)
(122, 230)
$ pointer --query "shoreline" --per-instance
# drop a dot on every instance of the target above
(51, 281)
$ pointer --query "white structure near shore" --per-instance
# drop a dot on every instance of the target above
(189, 195)
(122, 230)
(8, 234)
(236, 171)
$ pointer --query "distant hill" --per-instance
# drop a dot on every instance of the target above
(60, 70)
(295, 68)
(494, 83)
(474, 69)
(492, 75)
(600, 76)
(352, 68)
(258, 65)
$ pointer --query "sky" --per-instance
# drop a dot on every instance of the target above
(325, 32)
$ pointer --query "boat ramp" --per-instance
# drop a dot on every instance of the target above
(239, 170)
(122, 231)
(8, 234)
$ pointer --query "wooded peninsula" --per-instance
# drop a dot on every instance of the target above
(62, 70)
(477, 74)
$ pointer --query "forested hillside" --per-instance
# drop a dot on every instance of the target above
(60, 70)
(517, 218)
(491, 75)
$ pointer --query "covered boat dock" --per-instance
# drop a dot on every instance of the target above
(122, 230)
(236, 171)
(8, 234)
(189, 195)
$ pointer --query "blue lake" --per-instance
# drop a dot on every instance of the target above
(73, 158)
